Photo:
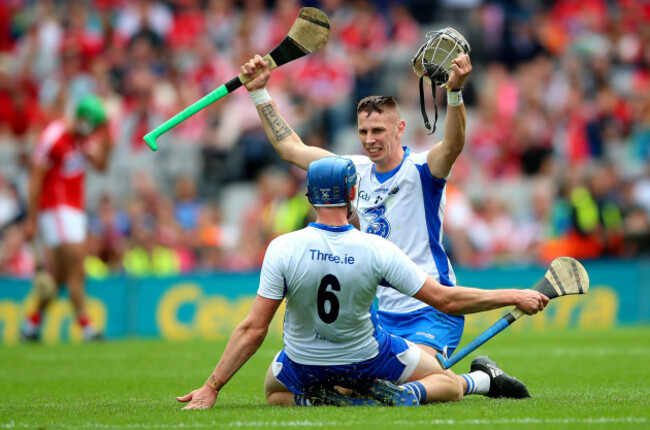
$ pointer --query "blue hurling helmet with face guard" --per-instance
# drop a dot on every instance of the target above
(329, 181)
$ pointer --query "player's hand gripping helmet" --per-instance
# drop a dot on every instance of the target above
(330, 181)
(432, 63)
(90, 114)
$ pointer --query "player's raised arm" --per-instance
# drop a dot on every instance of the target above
(244, 342)
(99, 148)
(443, 155)
(283, 138)
(91, 122)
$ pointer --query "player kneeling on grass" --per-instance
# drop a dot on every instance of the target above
(329, 272)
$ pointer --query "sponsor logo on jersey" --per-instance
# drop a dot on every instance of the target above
(380, 197)
(318, 255)
(428, 335)
(321, 337)
(390, 192)
(364, 196)
(377, 224)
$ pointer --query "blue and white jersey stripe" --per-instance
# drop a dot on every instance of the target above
(406, 206)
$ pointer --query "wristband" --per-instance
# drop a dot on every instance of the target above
(454, 97)
(214, 383)
(260, 96)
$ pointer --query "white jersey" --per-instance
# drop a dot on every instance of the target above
(405, 206)
(329, 276)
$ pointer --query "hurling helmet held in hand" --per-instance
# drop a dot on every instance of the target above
(432, 63)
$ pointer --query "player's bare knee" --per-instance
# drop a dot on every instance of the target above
(460, 392)
(274, 398)
(454, 388)
(276, 394)
(269, 390)
(75, 254)
(274, 390)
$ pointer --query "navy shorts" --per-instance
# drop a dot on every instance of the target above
(426, 326)
(396, 361)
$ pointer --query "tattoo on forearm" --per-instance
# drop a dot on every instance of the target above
(279, 128)
(214, 383)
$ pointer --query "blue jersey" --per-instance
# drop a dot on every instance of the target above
(406, 207)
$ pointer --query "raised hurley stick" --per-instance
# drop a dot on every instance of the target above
(308, 34)
(565, 276)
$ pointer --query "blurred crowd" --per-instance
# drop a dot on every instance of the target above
(557, 160)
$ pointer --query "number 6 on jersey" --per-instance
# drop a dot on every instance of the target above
(328, 313)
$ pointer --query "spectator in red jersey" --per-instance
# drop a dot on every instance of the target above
(56, 202)
(188, 25)
(83, 25)
(364, 37)
(281, 20)
(325, 81)
(6, 41)
(19, 110)
(209, 66)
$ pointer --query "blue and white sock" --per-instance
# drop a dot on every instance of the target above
(477, 382)
(418, 389)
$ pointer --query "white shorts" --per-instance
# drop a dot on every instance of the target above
(62, 225)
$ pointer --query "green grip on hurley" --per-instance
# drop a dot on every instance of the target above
(308, 34)
(172, 122)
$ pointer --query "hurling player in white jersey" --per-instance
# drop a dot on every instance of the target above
(328, 273)
(401, 196)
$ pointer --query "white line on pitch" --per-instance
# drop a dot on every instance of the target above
(240, 424)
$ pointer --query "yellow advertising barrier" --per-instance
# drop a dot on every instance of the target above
(210, 306)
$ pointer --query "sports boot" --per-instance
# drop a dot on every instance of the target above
(501, 384)
(30, 332)
(390, 394)
(92, 335)
(331, 397)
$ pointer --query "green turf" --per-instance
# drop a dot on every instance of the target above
(577, 379)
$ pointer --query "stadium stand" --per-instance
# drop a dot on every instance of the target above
(557, 159)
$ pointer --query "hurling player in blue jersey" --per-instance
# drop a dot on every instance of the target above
(401, 196)
(328, 272)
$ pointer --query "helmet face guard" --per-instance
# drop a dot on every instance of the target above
(432, 63)
(433, 60)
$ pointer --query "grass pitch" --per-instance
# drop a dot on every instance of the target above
(577, 379)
